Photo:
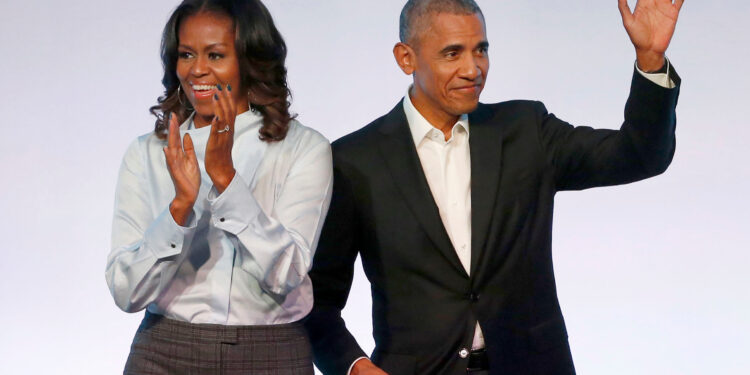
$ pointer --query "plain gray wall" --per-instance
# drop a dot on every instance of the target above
(652, 276)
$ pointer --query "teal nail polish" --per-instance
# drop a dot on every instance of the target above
(229, 87)
(216, 97)
(218, 86)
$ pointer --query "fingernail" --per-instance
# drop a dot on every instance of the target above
(216, 97)
(229, 87)
(218, 86)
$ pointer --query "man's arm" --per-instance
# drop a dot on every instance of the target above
(334, 347)
(644, 146)
(583, 157)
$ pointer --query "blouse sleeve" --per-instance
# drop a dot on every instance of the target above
(146, 250)
(277, 247)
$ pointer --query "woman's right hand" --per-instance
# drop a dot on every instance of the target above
(184, 170)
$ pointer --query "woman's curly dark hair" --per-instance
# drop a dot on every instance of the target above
(261, 52)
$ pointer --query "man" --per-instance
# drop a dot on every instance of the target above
(449, 202)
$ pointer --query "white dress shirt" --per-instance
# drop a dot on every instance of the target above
(243, 257)
(447, 167)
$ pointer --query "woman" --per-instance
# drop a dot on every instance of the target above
(216, 220)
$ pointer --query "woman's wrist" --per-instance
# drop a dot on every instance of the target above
(181, 210)
(222, 180)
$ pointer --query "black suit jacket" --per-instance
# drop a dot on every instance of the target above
(425, 306)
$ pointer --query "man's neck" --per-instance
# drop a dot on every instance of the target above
(440, 120)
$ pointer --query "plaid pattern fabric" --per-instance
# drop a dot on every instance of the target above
(168, 347)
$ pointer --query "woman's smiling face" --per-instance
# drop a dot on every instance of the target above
(206, 57)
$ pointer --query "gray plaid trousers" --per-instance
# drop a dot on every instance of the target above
(168, 347)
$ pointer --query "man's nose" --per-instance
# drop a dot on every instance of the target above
(470, 67)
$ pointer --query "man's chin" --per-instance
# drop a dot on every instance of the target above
(465, 108)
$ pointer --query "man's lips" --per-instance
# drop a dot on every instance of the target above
(468, 89)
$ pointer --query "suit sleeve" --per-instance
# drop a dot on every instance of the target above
(583, 157)
(334, 347)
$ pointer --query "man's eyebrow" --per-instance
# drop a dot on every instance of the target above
(452, 48)
(483, 44)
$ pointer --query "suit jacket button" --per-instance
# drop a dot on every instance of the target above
(463, 353)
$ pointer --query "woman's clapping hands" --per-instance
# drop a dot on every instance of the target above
(182, 162)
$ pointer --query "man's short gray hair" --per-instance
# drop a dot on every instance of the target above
(415, 13)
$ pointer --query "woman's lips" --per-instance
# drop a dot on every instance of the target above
(202, 92)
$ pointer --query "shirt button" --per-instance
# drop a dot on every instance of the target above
(463, 353)
(173, 245)
(222, 219)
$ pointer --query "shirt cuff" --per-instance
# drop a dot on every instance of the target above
(233, 209)
(661, 79)
(353, 363)
(166, 238)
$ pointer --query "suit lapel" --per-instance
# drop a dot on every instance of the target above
(485, 147)
(400, 154)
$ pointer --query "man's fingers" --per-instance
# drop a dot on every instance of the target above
(679, 3)
(625, 12)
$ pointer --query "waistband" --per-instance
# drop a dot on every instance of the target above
(159, 325)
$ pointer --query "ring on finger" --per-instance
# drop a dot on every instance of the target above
(226, 129)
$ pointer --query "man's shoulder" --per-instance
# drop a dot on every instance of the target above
(516, 106)
(359, 137)
(368, 135)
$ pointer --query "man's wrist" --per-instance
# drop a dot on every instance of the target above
(649, 61)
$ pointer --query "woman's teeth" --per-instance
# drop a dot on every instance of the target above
(203, 87)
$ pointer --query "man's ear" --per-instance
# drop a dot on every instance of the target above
(405, 57)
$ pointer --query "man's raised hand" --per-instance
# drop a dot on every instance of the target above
(650, 27)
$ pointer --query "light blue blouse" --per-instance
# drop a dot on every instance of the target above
(244, 256)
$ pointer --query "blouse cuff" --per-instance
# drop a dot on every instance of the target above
(233, 209)
(166, 238)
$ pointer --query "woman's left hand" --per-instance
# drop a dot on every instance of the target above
(219, 165)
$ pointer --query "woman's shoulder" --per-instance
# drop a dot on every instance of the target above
(302, 137)
(144, 144)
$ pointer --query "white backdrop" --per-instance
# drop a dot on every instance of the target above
(652, 276)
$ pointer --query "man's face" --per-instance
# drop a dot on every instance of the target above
(451, 65)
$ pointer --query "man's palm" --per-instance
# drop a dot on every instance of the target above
(652, 24)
